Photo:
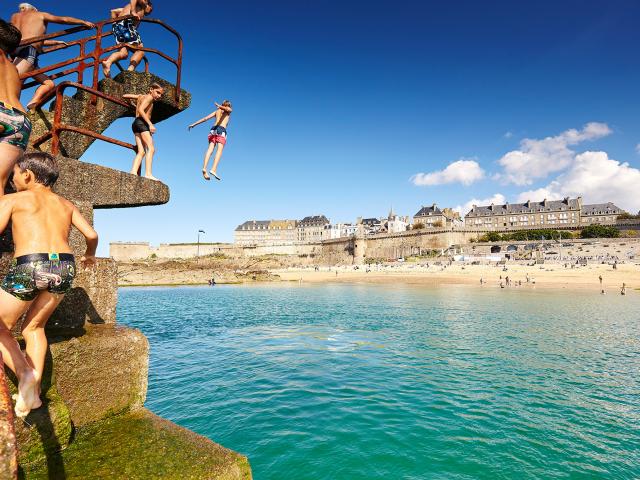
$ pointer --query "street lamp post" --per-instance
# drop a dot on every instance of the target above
(198, 249)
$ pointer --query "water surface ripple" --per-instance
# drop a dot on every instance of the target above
(399, 382)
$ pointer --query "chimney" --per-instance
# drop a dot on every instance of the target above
(566, 200)
(544, 202)
(528, 204)
(491, 207)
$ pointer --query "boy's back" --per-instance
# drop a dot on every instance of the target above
(41, 222)
(10, 84)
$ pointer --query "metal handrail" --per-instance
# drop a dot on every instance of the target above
(58, 126)
(6, 407)
(87, 60)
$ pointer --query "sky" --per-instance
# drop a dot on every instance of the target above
(347, 109)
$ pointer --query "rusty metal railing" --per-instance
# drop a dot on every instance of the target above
(58, 126)
(9, 448)
(91, 59)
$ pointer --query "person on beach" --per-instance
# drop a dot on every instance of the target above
(624, 289)
(600, 278)
(42, 271)
(217, 136)
(126, 34)
(15, 127)
(143, 129)
(33, 23)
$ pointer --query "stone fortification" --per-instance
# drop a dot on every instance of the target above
(93, 423)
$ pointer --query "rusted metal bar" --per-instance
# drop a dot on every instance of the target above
(9, 450)
(40, 140)
(91, 133)
(98, 51)
(84, 61)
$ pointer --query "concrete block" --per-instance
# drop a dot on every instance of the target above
(92, 300)
(101, 373)
(140, 446)
(105, 187)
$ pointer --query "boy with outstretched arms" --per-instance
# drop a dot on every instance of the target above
(217, 136)
(15, 127)
(143, 129)
(127, 35)
(43, 267)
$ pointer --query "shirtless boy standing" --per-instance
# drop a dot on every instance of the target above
(43, 268)
(33, 23)
(126, 34)
(15, 127)
(217, 136)
(143, 129)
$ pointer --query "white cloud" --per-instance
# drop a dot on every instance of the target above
(464, 171)
(496, 199)
(538, 158)
(597, 178)
(508, 135)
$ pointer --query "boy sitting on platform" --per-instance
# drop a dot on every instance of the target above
(42, 271)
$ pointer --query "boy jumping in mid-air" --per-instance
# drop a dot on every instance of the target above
(42, 271)
(15, 127)
(143, 129)
(217, 136)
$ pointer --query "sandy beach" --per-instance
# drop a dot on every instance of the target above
(540, 276)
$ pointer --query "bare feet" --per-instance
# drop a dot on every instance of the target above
(106, 69)
(151, 177)
(214, 174)
(31, 106)
(28, 398)
(205, 175)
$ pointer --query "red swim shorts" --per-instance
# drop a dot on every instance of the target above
(217, 139)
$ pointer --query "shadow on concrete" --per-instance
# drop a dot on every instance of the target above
(41, 420)
(75, 309)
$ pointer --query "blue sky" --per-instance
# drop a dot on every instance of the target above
(338, 105)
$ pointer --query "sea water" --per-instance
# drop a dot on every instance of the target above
(399, 382)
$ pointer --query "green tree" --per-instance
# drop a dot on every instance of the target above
(599, 231)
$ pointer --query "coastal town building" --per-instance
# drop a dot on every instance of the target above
(544, 214)
(600, 213)
(312, 229)
(340, 230)
(435, 217)
(567, 213)
(396, 223)
(266, 232)
(371, 226)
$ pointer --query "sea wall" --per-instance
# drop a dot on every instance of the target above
(130, 251)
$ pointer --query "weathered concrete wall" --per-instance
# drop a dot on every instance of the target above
(415, 242)
(104, 187)
(127, 251)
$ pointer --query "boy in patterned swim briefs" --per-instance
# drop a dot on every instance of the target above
(15, 127)
(42, 271)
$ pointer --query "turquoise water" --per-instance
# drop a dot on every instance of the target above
(399, 382)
